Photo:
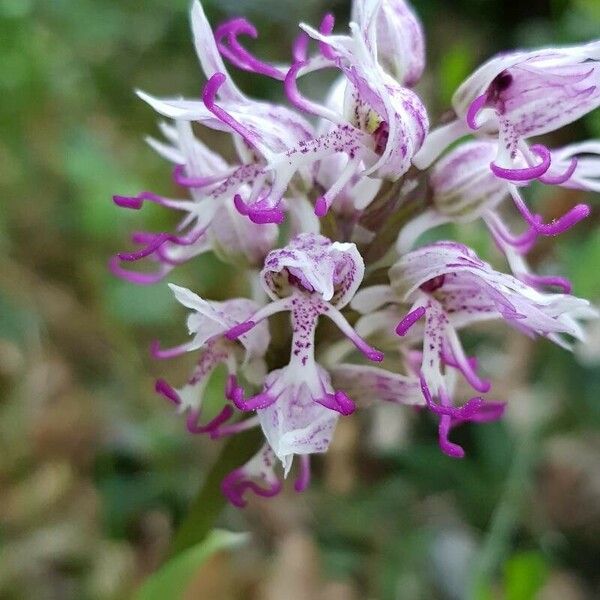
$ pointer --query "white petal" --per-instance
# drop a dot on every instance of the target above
(208, 53)
(372, 298)
(366, 385)
(296, 424)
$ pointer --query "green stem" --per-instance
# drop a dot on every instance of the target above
(496, 545)
(209, 502)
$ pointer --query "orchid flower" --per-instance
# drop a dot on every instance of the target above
(257, 475)
(464, 189)
(261, 133)
(384, 125)
(400, 40)
(209, 223)
(449, 287)
(357, 192)
(379, 385)
(377, 126)
(208, 324)
(519, 95)
(298, 407)
(374, 132)
(384, 117)
(469, 290)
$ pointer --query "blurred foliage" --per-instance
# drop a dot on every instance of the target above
(96, 472)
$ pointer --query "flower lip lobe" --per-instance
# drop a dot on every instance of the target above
(236, 53)
(409, 320)
(528, 173)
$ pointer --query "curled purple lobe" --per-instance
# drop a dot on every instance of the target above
(474, 109)
(321, 208)
(568, 220)
(467, 367)
(133, 202)
(475, 409)
(556, 227)
(300, 47)
(562, 177)
(235, 485)
(257, 475)
(236, 394)
(326, 28)
(136, 202)
(409, 320)
(339, 402)
(209, 96)
(167, 391)
(259, 212)
(528, 173)
(237, 54)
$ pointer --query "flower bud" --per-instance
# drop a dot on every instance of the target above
(400, 41)
(462, 183)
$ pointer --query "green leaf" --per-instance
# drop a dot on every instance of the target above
(172, 579)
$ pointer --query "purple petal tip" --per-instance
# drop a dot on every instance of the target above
(474, 109)
(452, 450)
(164, 389)
(374, 355)
(409, 320)
(345, 405)
(562, 224)
(240, 205)
(562, 177)
(528, 173)
(212, 87)
(321, 207)
(237, 330)
(128, 202)
(262, 217)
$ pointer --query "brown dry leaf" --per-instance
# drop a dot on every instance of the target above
(215, 580)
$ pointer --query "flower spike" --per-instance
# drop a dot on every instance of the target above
(366, 171)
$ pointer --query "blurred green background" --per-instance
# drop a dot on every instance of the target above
(96, 472)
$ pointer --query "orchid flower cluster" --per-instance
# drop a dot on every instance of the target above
(323, 196)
